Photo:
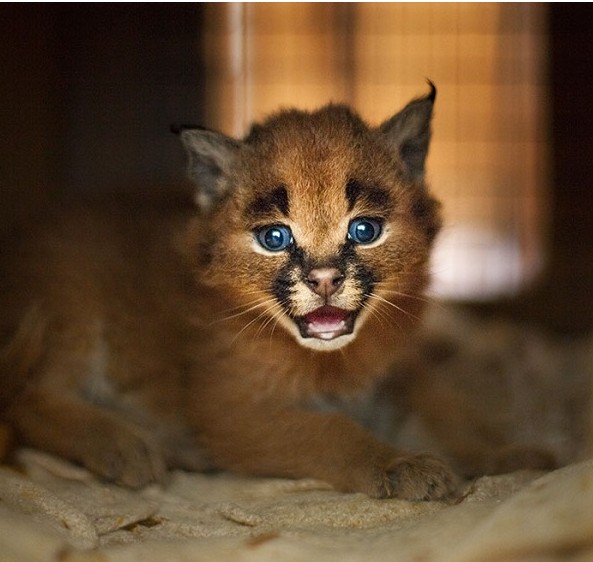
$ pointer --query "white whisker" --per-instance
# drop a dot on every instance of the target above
(382, 317)
(388, 288)
(421, 298)
(271, 318)
(393, 305)
(271, 303)
(247, 308)
(274, 319)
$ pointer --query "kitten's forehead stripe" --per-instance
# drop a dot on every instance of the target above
(276, 200)
(369, 194)
(353, 189)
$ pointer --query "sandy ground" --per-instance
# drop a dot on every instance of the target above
(51, 510)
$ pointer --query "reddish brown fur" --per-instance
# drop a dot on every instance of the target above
(150, 349)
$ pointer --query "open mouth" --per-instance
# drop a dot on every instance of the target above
(326, 323)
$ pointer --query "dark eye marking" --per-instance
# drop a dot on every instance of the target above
(265, 205)
(353, 189)
(284, 284)
(370, 195)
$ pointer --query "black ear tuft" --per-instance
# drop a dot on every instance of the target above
(433, 91)
(409, 133)
(210, 156)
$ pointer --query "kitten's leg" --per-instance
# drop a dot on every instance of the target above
(331, 447)
(475, 446)
(85, 433)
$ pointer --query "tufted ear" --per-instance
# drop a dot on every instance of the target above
(210, 155)
(409, 133)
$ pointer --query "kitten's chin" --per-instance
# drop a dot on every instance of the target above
(325, 345)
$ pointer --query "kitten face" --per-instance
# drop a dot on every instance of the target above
(322, 228)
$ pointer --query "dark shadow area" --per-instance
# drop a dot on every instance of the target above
(88, 95)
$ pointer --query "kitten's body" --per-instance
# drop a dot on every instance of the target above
(145, 337)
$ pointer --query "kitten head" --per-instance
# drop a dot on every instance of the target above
(315, 220)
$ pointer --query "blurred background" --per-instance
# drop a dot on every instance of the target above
(88, 93)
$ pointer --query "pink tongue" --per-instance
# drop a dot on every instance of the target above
(326, 315)
(326, 320)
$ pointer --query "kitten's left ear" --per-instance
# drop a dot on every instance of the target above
(210, 156)
(409, 133)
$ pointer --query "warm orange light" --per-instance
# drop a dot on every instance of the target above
(488, 161)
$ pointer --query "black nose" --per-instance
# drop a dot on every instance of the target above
(324, 281)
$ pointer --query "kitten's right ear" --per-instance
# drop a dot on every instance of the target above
(210, 155)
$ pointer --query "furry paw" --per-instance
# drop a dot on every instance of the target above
(419, 477)
(127, 457)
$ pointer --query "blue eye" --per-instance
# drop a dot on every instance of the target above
(364, 231)
(274, 238)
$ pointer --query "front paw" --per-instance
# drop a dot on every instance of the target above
(126, 456)
(418, 477)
